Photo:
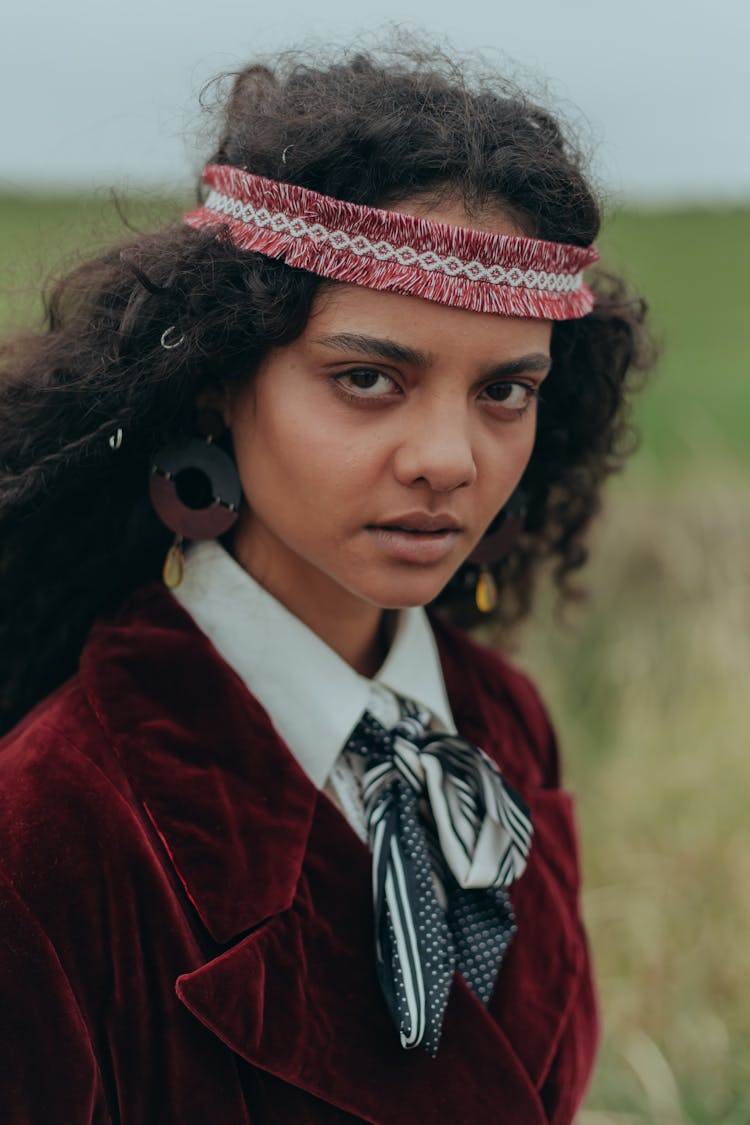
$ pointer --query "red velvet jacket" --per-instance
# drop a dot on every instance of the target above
(186, 922)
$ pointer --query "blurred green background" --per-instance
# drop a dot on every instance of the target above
(647, 680)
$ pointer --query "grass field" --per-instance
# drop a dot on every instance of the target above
(692, 267)
(648, 681)
(649, 686)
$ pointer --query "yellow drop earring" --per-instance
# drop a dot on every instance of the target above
(485, 592)
(497, 541)
(174, 564)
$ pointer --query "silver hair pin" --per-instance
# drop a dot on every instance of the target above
(115, 439)
(167, 343)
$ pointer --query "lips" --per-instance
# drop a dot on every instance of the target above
(418, 538)
(421, 523)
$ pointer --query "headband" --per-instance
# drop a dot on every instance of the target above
(389, 250)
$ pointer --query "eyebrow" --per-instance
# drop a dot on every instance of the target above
(375, 345)
(384, 348)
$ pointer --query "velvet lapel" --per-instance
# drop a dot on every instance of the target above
(232, 807)
(299, 997)
(278, 878)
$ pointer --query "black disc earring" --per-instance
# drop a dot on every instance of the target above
(195, 490)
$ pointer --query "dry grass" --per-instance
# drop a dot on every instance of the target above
(650, 687)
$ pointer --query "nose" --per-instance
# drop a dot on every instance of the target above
(436, 448)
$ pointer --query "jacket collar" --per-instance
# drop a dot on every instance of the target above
(267, 863)
(235, 830)
(299, 998)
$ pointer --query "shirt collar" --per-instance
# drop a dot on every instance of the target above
(313, 697)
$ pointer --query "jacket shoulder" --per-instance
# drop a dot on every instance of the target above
(46, 753)
(64, 801)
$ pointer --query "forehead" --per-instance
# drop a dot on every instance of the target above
(415, 321)
(424, 325)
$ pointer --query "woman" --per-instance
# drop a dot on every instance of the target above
(276, 844)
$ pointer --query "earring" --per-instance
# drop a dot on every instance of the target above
(485, 591)
(496, 542)
(195, 490)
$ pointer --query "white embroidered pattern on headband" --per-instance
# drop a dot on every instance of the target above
(297, 228)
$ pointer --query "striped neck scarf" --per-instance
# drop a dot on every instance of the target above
(447, 836)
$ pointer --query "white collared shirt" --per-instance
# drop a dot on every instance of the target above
(313, 697)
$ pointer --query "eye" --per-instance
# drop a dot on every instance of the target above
(513, 396)
(366, 382)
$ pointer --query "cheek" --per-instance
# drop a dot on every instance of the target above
(503, 459)
(294, 459)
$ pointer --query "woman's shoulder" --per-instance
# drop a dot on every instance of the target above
(51, 744)
(63, 800)
(79, 775)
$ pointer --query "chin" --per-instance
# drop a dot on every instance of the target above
(408, 596)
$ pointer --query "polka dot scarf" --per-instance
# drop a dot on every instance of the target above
(447, 835)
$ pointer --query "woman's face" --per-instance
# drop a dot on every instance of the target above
(376, 448)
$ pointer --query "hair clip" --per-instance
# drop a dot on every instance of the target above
(167, 343)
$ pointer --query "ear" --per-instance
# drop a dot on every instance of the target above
(216, 397)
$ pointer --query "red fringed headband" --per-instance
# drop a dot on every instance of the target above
(468, 269)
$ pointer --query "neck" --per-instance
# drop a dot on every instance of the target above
(358, 632)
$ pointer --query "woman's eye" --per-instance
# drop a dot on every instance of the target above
(365, 382)
(514, 396)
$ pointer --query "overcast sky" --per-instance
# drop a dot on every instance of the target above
(95, 93)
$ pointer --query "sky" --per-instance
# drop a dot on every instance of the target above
(100, 94)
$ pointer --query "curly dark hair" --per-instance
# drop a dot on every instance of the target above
(77, 531)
